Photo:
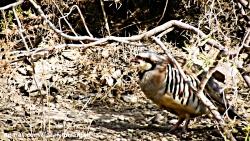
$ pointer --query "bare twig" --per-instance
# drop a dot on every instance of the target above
(164, 11)
(20, 29)
(211, 106)
(11, 5)
(105, 17)
(67, 22)
(83, 19)
(38, 8)
(244, 3)
(246, 41)
(147, 34)
(165, 32)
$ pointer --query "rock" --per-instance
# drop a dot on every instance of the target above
(119, 83)
(105, 53)
(147, 113)
(121, 117)
(110, 81)
(131, 130)
(101, 137)
(157, 119)
(111, 100)
(164, 139)
(22, 71)
(129, 98)
(150, 106)
(70, 55)
(173, 121)
(247, 115)
(117, 74)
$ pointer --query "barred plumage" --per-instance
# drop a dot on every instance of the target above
(163, 84)
(181, 91)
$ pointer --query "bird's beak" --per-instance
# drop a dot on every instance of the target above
(135, 60)
(135, 63)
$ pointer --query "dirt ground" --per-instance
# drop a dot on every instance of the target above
(93, 95)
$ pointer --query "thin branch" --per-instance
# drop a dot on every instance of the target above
(210, 105)
(83, 19)
(164, 11)
(165, 32)
(147, 34)
(20, 29)
(64, 17)
(105, 17)
(51, 25)
(11, 5)
(244, 3)
(246, 41)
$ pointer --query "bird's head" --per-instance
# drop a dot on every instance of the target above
(147, 60)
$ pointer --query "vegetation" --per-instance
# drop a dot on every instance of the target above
(65, 70)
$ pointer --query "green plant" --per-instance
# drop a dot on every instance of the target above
(247, 129)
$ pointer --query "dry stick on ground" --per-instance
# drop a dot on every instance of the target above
(21, 30)
(200, 90)
(150, 33)
(244, 3)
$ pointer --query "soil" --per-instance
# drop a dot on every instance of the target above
(92, 94)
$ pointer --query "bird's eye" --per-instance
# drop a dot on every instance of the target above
(139, 57)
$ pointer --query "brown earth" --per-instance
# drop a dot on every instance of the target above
(93, 95)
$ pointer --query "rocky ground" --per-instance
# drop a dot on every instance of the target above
(92, 94)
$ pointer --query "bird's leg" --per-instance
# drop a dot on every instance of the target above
(185, 127)
(173, 128)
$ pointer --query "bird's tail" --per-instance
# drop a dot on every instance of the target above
(215, 92)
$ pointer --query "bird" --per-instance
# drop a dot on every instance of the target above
(162, 83)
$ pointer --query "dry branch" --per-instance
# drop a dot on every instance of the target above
(160, 30)
(60, 32)
(21, 30)
(11, 5)
(244, 3)
(105, 17)
(148, 34)
(246, 39)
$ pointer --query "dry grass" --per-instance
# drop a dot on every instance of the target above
(92, 94)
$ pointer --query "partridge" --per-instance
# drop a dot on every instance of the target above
(162, 82)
